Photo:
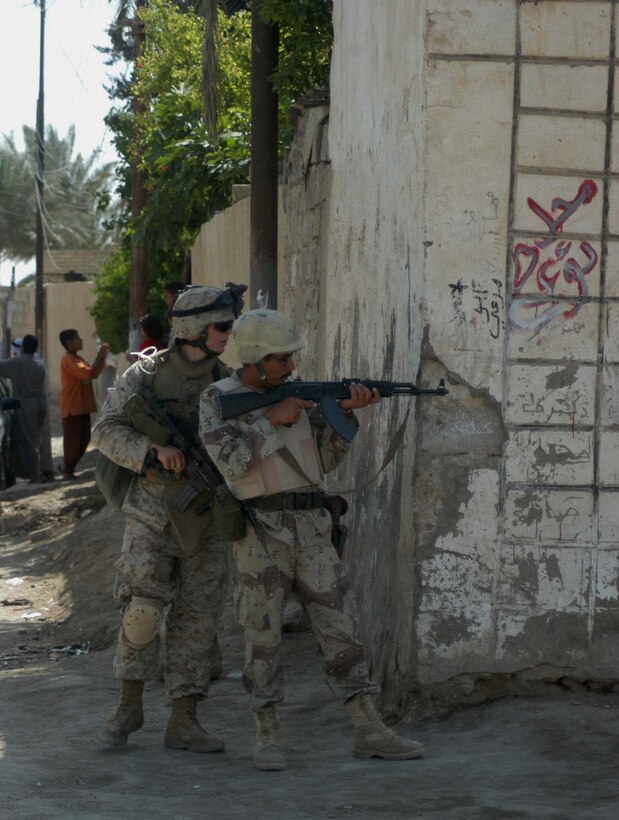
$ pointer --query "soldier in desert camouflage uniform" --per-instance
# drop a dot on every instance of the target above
(276, 457)
(169, 559)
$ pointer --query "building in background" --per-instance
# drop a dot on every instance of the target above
(69, 293)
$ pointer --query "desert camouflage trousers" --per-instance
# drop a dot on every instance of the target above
(193, 588)
(300, 558)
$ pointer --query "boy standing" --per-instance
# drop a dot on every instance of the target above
(77, 398)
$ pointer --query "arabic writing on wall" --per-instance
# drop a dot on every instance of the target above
(547, 260)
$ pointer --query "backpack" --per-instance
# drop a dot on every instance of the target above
(113, 480)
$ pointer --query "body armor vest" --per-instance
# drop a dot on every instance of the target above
(179, 383)
(295, 467)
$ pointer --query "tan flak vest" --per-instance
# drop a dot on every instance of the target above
(293, 468)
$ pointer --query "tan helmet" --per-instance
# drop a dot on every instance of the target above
(258, 333)
(197, 307)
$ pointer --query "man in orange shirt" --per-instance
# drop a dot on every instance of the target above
(77, 398)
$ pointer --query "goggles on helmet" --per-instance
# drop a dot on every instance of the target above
(230, 299)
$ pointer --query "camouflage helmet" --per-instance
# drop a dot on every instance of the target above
(197, 307)
(258, 333)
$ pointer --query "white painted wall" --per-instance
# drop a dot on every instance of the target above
(459, 131)
(517, 97)
(375, 281)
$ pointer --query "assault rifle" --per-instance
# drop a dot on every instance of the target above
(326, 394)
(150, 416)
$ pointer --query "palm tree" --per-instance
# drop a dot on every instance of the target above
(75, 189)
(126, 12)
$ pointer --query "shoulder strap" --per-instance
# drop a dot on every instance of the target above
(396, 442)
(158, 359)
(291, 461)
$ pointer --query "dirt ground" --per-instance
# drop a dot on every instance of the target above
(512, 758)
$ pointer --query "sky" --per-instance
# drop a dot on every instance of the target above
(75, 75)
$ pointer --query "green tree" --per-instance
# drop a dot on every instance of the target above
(305, 44)
(76, 201)
(112, 299)
(189, 170)
(189, 177)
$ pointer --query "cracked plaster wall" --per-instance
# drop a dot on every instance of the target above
(373, 298)
(520, 571)
(416, 242)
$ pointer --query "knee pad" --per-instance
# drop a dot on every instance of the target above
(141, 621)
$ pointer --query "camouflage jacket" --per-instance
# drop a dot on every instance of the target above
(113, 434)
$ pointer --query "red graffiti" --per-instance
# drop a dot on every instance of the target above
(566, 208)
(548, 259)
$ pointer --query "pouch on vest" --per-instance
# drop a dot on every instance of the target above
(112, 480)
(192, 523)
(230, 517)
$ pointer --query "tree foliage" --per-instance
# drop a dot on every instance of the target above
(76, 198)
(306, 40)
(189, 176)
(112, 298)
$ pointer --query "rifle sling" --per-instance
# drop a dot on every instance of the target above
(294, 464)
(396, 442)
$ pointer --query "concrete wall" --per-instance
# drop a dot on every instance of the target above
(456, 215)
(221, 251)
(374, 293)
(86, 262)
(519, 561)
(220, 254)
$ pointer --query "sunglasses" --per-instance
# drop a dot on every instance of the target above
(223, 327)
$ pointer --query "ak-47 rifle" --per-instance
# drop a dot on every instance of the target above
(326, 394)
(150, 416)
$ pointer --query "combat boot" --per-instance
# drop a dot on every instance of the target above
(373, 738)
(128, 717)
(183, 730)
(269, 755)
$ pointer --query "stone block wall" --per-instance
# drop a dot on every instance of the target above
(521, 291)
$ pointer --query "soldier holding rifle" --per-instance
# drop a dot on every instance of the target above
(173, 563)
(274, 459)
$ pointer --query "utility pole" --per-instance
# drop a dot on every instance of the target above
(9, 314)
(138, 276)
(263, 206)
(40, 187)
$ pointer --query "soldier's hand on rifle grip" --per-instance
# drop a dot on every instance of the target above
(287, 411)
(360, 396)
(171, 457)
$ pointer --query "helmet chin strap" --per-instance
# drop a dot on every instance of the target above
(200, 343)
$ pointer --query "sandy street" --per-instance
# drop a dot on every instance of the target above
(520, 758)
